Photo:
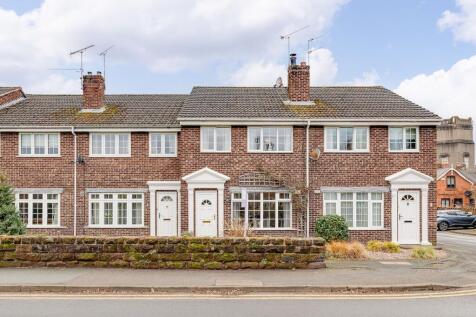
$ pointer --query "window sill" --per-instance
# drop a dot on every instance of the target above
(218, 152)
(39, 155)
(403, 151)
(270, 152)
(347, 152)
(110, 156)
(368, 229)
(273, 229)
(46, 227)
(162, 155)
(116, 227)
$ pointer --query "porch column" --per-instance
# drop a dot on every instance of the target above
(221, 213)
(424, 217)
(152, 211)
(191, 220)
(394, 208)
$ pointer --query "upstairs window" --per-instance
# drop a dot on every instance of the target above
(110, 144)
(403, 139)
(346, 139)
(39, 144)
(450, 182)
(214, 139)
(270, 139)
(163, 144)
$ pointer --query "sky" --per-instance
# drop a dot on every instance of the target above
(421, 49)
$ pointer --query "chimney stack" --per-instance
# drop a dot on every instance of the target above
(298, 80)
(93, 91)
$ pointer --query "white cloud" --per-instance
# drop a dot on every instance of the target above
(370, 78)
(165, 36)
(462, 23)
(446, 92)
(263, 73)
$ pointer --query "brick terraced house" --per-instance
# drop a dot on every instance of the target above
(275, 158)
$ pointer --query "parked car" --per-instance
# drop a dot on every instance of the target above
(455, 218)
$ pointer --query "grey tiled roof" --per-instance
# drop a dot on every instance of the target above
(331, 102)
(140, 111)
(4, 90)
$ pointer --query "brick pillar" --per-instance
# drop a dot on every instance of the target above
(299, 82)
(93, 91)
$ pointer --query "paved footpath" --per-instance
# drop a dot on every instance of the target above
(459, 269)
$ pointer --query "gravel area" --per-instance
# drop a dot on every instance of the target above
(405, 254)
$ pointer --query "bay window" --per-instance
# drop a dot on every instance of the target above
(403, 139)
(38, 210)
(264, 210)
(163, 144)
(110, 144)
(116, 209)
(361, 210)
(346, 139)
(270, 139)
(214, 139)
(39, 144)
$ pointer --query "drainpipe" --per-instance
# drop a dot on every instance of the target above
(75, 176)
(307, 178)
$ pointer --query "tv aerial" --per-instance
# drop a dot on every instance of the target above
(81, 52)
(309, 50)
(288, 37)
(103, 54)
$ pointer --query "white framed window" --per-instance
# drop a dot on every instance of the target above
(270, 139)
(361, 210)
(39, 144)
(215, 139)
(445, 161)
(264, 210)
(403, 139)
(110, 144)
(163, 144)
(346, 139)
(38, 210)
(116, 210)
(466, 161)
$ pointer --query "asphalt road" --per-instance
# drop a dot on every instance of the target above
(460, 306)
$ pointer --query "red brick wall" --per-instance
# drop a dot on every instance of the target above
(462, 186)
(11, 96)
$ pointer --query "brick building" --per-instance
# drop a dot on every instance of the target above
(272, 158)
(455, 189)
(455, 144)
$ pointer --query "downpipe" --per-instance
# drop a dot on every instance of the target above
(75, 177)
(307, 180)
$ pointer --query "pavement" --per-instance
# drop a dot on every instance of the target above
(458, 270)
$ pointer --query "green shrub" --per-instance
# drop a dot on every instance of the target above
(332, 228)
(424, 253)
(391, 247)
(10, 221)
(375, 245)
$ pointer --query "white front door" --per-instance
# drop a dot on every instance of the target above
(409, 217)
(206, 213)
(166, 213)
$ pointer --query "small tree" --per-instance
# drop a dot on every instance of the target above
(10, 221)
(332, 228)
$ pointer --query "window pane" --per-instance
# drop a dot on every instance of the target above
(396, 139)
(410, 138)
(254, 196)
(38, 196)
(254, 214)
(23, 210)
(345, 139)
(347, 211)
(269, 196)
(108, 213)
(95, 213)
(270, 139)
(269, 214)
(124, 144)
(331, 138)
(52, 216)
(108, 196)
(136, 196)
(122, 213)
(26, 144)
(362, 215)
(170, 145)
(137, 213)
(155, 143)
(40, 144)
(362, 196)
(284, 139)
(53, 144)
(331, 208)
(94, 196)
(330, 196)
(208, 139)
(347, 196)
(361, 138)
(109, 143)
(238, 211)
(37, 215)
(223, 136)
(254, 138)
(96, 140)
(284, 214)
(376, 214)
(376, 196)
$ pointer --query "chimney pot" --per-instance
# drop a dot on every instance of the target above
(298, 81)
(93, 91)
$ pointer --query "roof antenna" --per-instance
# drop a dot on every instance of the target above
(309, 50)
(81, 51)
(103, 54)
(288, 37)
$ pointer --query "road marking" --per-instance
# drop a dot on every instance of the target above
(446, 294)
